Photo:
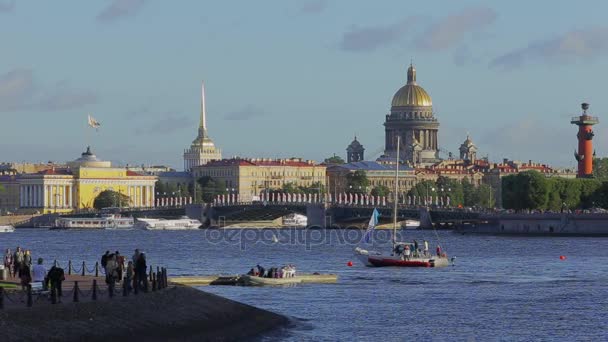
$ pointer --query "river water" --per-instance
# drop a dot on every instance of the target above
(501, 288)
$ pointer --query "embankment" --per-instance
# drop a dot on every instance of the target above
(174, 314)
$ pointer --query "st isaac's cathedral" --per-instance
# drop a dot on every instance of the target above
(412, 119)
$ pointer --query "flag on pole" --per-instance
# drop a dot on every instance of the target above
(93, 123)
(373, 221)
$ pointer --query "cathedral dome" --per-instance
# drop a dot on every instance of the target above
(411, 94)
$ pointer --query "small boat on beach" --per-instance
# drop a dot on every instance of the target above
(7, 229)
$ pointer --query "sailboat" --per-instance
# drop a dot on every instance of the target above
(403, 254)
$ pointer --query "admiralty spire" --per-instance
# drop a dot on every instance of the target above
(202, 150)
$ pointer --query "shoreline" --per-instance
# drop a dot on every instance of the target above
(178, 313)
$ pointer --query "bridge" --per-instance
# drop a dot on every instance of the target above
(328, 215)
(319, 214)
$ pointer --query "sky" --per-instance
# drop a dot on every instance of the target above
(295, 78)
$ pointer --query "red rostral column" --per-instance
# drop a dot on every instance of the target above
(584, 157)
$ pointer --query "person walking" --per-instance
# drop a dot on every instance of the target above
(129, 276)
(140, 271)
(27, 258)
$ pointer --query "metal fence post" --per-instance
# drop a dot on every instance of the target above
(69, 267)
(97, 268)
(76, 299)
(83, 269)
(1, 298)
(94, 296)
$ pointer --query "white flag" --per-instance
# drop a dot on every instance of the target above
(93, 123)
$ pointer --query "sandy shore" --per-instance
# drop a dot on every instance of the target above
(175, 314)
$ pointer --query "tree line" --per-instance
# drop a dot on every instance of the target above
(532, 190)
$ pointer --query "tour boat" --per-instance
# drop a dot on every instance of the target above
(105, 221)
(167, 224)
(7, 229)
(397, 256)
(410, 224)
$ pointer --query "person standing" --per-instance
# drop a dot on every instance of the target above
(25, 276)
(415, 248)
(17, 261)
(8, 261)
(426, 248)
(406, 252)
(56, 276)
(120, 265)
(438, 250)
(111, 272)
(27, 258)
(140, 271)
(104, 261)
(129, 276)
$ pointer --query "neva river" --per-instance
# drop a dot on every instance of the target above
(502, 288)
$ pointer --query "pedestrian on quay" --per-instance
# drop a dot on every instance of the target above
(129, 276)
(27, 258)
(111, 272)
(120, 265)
(55, 277)
(39, 273)
(426, 248)
(17, 261)
(140, 271)
(8, 261)
(135, 256)
(104, 261)
(25, 276)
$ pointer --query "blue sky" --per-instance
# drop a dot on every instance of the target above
(295, 78)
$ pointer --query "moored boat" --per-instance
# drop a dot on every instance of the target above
(260, 281)
(167, 224)
(105, 221)
(7, 229)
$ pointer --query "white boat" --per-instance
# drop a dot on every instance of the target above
(7, 229)
(105, 221)
(410, 224)
(295, 220)
(402, 254)
(167, 224)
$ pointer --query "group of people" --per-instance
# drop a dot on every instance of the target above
(19, 264)
(133, 272)
(287, 271)
(414, 250)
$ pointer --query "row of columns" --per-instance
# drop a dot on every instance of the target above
(428, 138)
(142, 196)
(45, 196)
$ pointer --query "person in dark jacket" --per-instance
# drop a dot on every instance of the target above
(56, 276)
(140, 271)
(104, 260)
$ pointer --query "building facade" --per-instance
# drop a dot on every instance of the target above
(250, 177)
(413, 121)
(202, 150)
(77, 185)
(377, 174)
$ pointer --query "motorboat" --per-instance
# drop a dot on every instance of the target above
(105, 221)
(6, 229)
(167, 224)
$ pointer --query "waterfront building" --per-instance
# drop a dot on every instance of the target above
(78, 184)
(202, 150)
(412, 119)
(377, 174)
(355, 152)
(248, 178)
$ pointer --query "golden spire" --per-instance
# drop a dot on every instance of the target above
(411, 74)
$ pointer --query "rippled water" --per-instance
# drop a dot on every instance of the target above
(502, 288)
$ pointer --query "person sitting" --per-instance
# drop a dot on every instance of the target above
(39, 273)
(406, 253)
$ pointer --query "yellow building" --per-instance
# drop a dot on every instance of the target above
(250, 177)
(77, 185)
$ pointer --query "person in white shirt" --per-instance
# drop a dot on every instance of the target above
(39, 271)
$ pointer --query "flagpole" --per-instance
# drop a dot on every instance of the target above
(396, 195)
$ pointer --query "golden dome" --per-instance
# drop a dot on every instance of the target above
(411, 94)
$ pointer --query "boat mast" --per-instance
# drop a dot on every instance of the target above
(396, 196)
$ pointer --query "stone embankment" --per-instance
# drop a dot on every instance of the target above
(177, 313)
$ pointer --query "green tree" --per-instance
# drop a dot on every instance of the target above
(600, 168)
(380, 190)
(485, 196)
(291, 188)
(526, 190)
(210, 188)
(451, 188)
(109, 198)
(314, 188)
(357, 182)
(337, 160)
(423, 189)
